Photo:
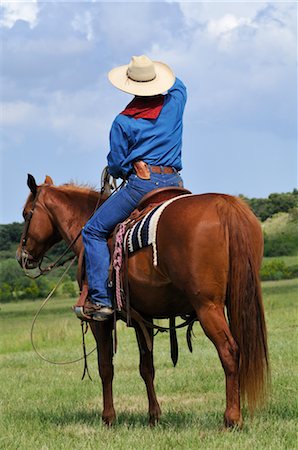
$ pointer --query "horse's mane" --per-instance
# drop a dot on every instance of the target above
(75, 187)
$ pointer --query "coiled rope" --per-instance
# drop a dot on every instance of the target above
(60, 363)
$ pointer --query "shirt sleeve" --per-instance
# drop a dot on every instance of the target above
(118, 150)
(178, 92)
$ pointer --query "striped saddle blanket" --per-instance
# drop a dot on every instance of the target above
(143, 233)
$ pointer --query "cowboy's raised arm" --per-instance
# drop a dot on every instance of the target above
(178, 92)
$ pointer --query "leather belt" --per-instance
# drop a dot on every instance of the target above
(162, 169)
(143, 169)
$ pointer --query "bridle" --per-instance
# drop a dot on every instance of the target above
(25, 255)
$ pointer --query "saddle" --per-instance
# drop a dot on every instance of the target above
(160, 195)
(148, 202)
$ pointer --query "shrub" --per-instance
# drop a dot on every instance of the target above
(275, 270)
(293, 271)
(69, 289)
(16, 286)
(279, 245)
(45, 286)
(31, 291)
(281, 234)
(5, 292)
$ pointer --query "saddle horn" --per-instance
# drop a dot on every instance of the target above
(108, 183)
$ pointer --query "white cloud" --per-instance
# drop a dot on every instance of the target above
(204, 11)
(236, 59)
(14, 11)
(84, 24)
(223, 28)
(225, 24)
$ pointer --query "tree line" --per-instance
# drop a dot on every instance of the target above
(14, 285)
(263, 208)
(273, 204)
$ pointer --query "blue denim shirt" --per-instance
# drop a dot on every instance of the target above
(155, 141)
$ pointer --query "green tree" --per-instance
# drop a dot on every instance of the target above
(10, 234)
(275, 203)
(15, 285)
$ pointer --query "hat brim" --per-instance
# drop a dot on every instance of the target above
(163, 81)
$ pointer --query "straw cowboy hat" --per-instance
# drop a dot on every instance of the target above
(142, 77)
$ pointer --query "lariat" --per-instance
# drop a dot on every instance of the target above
(117, 262)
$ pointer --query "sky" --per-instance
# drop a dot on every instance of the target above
(237, 59)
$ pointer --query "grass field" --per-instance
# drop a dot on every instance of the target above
(48, 407)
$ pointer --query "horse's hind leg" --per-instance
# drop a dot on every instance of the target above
(102, 332)
(147, 373)
(213, 321)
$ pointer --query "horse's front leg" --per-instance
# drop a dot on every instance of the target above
(147, 373)
(102, 332)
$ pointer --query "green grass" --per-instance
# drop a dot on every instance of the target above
(48, 407)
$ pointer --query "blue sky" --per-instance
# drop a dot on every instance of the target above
(238, 61)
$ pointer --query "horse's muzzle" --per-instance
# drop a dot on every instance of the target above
(25, 260)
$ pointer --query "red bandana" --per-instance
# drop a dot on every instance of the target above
(144, 107)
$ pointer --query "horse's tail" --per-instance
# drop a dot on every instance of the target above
(244, 299)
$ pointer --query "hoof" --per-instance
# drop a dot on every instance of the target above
(153, 421)
(154, 417)
(108, 420)
(233, 422)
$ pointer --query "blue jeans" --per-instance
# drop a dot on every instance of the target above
(114, 210)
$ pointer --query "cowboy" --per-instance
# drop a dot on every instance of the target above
(145, 150)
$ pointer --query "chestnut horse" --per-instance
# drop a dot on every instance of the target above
(210, 249)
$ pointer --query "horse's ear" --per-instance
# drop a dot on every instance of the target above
(48, 180)
(32, 184)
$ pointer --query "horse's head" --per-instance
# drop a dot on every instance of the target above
(39, 233)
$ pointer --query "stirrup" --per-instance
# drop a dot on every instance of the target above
(79, 312)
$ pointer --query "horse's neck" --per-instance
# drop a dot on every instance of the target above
(71, 212)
